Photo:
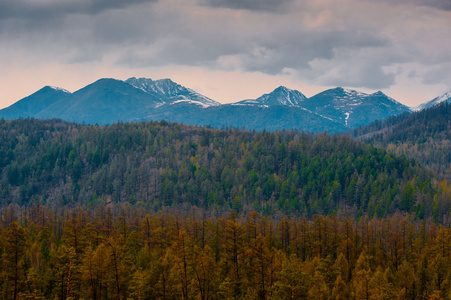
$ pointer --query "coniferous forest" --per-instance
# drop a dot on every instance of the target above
(159, 210)
(424, 135)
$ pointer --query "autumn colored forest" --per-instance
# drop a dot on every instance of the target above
(159, 210)
(95, 255)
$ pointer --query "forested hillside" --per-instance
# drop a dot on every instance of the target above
(423, 135)
(156, 165)
(160, 210)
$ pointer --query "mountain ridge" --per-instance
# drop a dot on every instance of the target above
(353, 108)
(34, 103)
(109, 100)
(112, 97)
(279, 96)
(173, 92)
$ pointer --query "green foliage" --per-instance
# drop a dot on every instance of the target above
(424, 136)
(161, 164)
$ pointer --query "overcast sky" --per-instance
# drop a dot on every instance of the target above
(229, 50)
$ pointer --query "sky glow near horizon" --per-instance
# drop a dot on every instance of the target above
(229, 50)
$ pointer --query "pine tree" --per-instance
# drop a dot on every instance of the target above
(14, 242)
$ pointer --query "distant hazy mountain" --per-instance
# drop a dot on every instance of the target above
(352, 108)
(107, 101)
(104, 101)
(280, 96)
(445, 97)
(254, 117)
(30, 106)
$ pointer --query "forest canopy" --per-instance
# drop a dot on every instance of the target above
(160, 164)
(160, 210)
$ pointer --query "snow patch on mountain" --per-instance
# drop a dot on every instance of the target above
(354, 94)
(189, 101)
(379, 93)
(281, 96)
(59, 89)
(171, 92)
(344, 98)
(445, 97)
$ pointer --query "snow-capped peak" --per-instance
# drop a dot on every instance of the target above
(59, 89)
(353, 93)
(171, 92)
(445, 97)
(342, 96)
(282, 89)
(381, 94)
(280, 96)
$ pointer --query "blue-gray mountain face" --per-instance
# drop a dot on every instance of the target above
(32, 105)
(281, 96)
(171, 92)
(351, 108)
(102, 102)
(107, 101)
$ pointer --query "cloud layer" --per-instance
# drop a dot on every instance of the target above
(264, 5)
(45, 9)
(355, 43)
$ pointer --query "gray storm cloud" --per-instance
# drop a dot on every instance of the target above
(264, 5)
(35, 9)
(440, 4)
(331, 44)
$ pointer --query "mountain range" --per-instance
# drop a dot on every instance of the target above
(108, 101)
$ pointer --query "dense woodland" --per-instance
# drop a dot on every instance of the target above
(159, 210)
(423, 135)
(160, 164)
(94, 255)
